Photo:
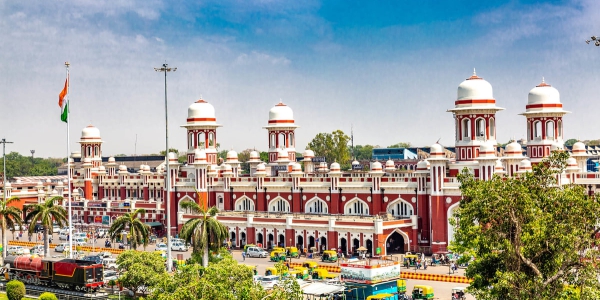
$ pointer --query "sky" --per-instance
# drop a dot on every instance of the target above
(388, 70)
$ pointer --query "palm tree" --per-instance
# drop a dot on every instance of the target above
(139, 232)
(46, 213)
(10, 216)
(205, 231)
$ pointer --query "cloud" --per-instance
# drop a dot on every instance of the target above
(256, 57)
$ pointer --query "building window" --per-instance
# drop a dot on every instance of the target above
(400, 209)
(357, 207)
(492, 127)
(280, 205)
(480, 128)
(316, 206)
(537, 129)
(466, 128)
(550, 129)
(245, 204)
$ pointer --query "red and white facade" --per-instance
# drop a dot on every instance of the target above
(310, 203)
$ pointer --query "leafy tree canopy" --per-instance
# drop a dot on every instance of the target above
(19, 165)
(570, 142)
(333, 146)
(400, 145)
(531, 238)
(364, 152)
(140, 269)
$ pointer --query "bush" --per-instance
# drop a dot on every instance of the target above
(48, 296)
(15, 290)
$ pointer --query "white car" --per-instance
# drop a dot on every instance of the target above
(161, 247)
(110, 263)
(37, 249)
(79, 241)
(269, 282)
(80, 235)
(63, 235)
(110, 275)
(65, 246)
(178, 246)
(17, 250)
(105, 254)
(256, 252)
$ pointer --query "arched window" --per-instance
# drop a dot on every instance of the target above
(96, 151)
(400, 209)
(480, 128)
(356, 207)
(537, 129)
(492, 127)
(211, 139)
(291, 139)
(316, 206)
(201, 140)
(550, 129)
(466, 128)
(281, 141)
(272, 145)
(279, 205)
(560, 129)
(190, 140)
(244, 204)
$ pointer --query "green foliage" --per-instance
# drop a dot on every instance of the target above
(140, 269)
(213, 257)
(15, 290)
(400, 145)
(532, 238)
(570, 142)
(19, 165)
(10, 216)
(333, 146)
(363, 152)
(46, 213)
(112, 283)
(48, 296)
(138, 232)
(264, 156)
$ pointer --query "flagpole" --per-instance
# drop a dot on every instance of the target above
(67, 64)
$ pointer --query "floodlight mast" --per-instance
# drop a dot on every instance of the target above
(165, 69)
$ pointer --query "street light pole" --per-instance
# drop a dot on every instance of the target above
(165, 68)
(4, 142)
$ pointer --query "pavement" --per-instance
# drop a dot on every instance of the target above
(442, 290)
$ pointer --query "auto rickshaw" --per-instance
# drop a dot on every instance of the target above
(310, 265)
(248, 245)
(273, 271)
(401, 284)
(278, 249)
(253, 268)
(410, 260)
(329, 256)
(322, 274)
(292, 252)
(301, 272)
(422, 292)
(384, 296)
(278, 256)
(458, 293)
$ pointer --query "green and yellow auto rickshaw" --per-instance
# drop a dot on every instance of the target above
(384, 296)
(273, 271)
(310, 265)
(329, 256)
(422, 292)
(410, 260)
(300, 272)
(253, 268)
(278, 249)
(322, 274)
(292, 252)
(277, 256)
(401, 284)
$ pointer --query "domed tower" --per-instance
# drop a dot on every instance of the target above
(544, 113)
(475, 117)
(202, 130)
(281, 130)
(91, 145)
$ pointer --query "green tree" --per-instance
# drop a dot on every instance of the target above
(46, 213)
(138, 232)
(333, 146)
(264, 156)
(400, 145)
(19, 165)
(363, 152)
(15, 290)
(47, 296)
(204, 232)
(10, 216)
(140, 269)
(570, 142)
(532, 238)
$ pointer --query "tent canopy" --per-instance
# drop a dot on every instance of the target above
(319, 288)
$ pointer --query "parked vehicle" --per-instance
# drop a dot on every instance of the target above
(62, 247)
(292, 252)
(329, 256)
(179, 246)
(273, 271)
(161, 247)
(95, 258)
(17, 250)
(383, 296)
(110, 263)
(278, 256)
(458, 293)
(256, 252)
(79, 241)
(269, 282)
(37, 249)
(422, 292)
(63, 235)
(322, 274)
(110, 275)
(105, 254)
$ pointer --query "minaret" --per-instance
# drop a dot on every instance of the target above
(475, 118)
(202, 131)
(281, 130)
(91, 145)
(544, 113)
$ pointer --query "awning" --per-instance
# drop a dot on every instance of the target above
(319, 288)
(154, 224)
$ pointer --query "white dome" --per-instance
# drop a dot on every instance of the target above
(390, 166)
(579, 147)
(436, 148)
(308, 153)
(90, 133)
(475, 88)
(111, 159)
(571, 162)
(557, 147)
(524, 165)
(172, 156)
(487, 150)
(354, 163)
(101, 168)
(513, 149)
(201, 112)
(254, 155)
(226, 167)
(335, 167)
(260, 167)
(54, 192)
(499, 166)
(47, 181)
(281, 114)
(282, 154)
(232, 156)
(543, 94)
(87, 160)
(122, 168)
(60, 183)
(296, 168)
(8, 184)
(376, 166)
(423, 165)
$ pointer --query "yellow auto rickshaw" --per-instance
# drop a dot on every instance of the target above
(410, 260)
(301, 272)
(253, 268)
(422, 292)
(277, 256)
(401, 284)
(384, 296)
(292, 252)
(310, 265)
(278, 249)
(329, 256)
(273, 271)
(322, 274)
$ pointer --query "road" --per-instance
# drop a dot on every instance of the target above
(442, 290)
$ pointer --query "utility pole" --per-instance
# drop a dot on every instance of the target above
(4, 142)
(165, 68)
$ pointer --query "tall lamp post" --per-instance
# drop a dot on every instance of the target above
(166, 69)
(4, 142)
(32, 153)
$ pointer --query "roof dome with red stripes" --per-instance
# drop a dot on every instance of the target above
(201, 113)
(281, 114)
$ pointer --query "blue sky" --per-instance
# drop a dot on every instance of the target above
(390, 69)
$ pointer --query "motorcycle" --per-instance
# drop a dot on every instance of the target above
(121, 246)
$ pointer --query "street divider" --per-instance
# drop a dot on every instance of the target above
(83, 248)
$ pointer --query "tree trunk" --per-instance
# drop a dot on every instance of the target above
(205, 256)
(4, 239)
(46, 243)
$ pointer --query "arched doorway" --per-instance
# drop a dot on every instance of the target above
(281, 240)
(259, 239)
(232, 239)
(271, 239)
(344, 245)
(370, 247)
(323, 243)
(311, 242)
(394, 243)
(355, 245)
(300, 242)
(242, 239)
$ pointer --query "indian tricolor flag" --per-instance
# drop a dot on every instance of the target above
(63, 102)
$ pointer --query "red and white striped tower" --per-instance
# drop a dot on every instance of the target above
(544, 113)
(91, 145)
(475, 120)
(202, 131)
(281, 129)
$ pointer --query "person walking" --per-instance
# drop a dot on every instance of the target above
(244, 255)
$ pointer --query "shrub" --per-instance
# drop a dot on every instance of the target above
(15, 290)
(48, 296)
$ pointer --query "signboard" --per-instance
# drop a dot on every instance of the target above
(96, 204)
(318, 159)
(97, 219)
(280, 168)
(76, 203)
(357, 167)
(119, 204)
(105, 220)
(369, 274)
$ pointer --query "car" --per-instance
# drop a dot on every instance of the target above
(179, 246)
(55, 227)
(256, 252)
(79, 241)
(161, 247)
(62, 247)
(101, 232)
(269, 282)
(17, 250)
(110, 275)
(257, 278)
(110, 263)
(63, 235)
(95, 258)
(80, 235)
(38, 228)
(105, 254)
(37, 249)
